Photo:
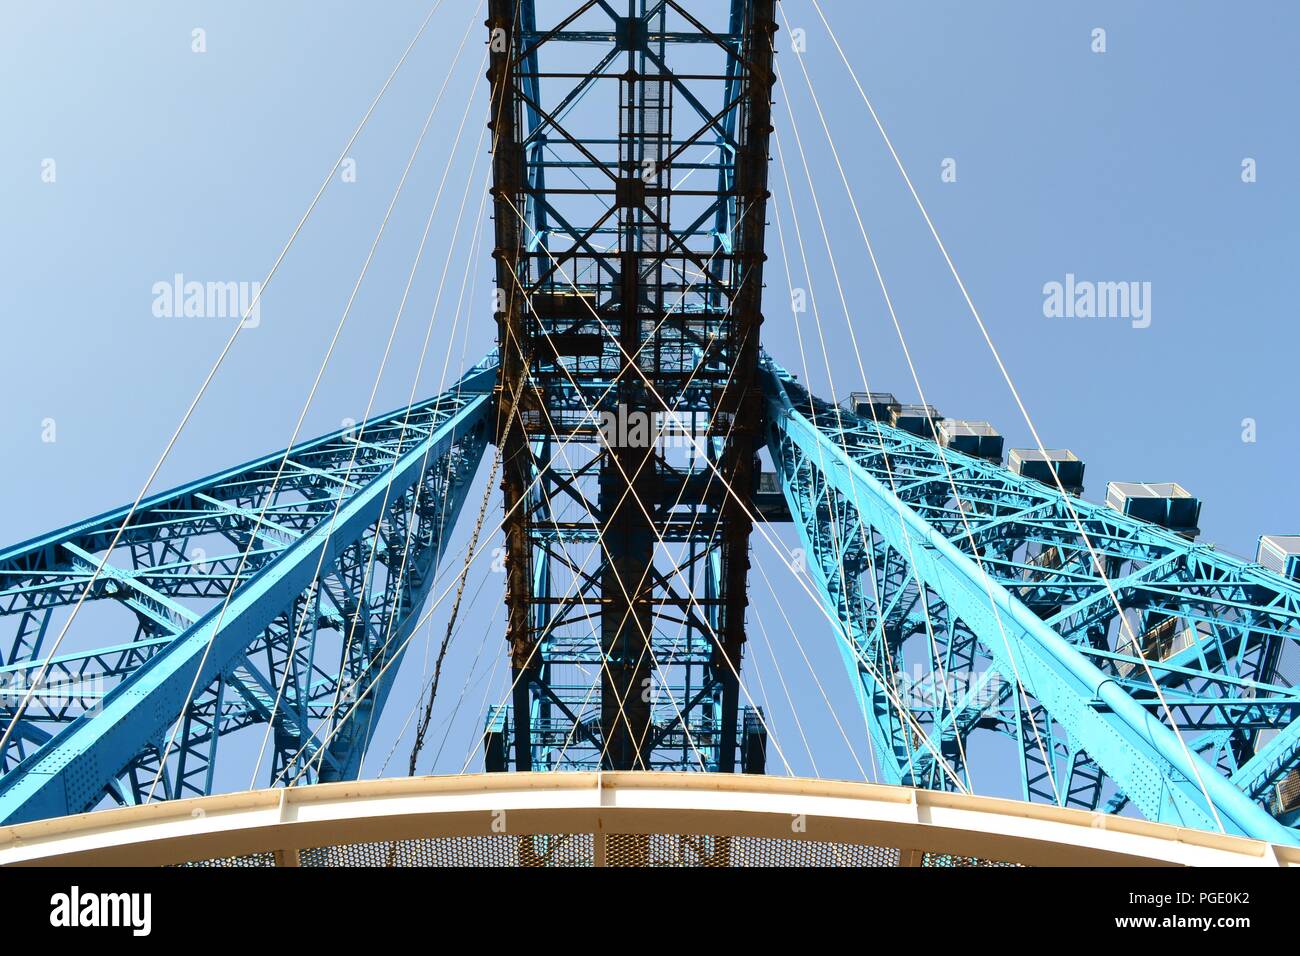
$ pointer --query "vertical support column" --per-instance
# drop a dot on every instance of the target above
(512, 338)
(628, 491)
(740, 407)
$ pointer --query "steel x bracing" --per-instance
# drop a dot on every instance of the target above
(990, 624)
(629, 250)
(278, 591)
(972, 606)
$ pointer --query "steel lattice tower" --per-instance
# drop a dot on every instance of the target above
(628, 400)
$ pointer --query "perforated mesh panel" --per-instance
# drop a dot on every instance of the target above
(621, 849)
(254, 859)
(945, 859)
(660, 849)
(497, 849)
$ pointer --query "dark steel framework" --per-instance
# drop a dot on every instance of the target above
(629, 291)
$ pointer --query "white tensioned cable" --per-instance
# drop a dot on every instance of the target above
(221, 357)
(803, 356)
(590, 410)
(803, 653)
(470, 553)
(373, 390)
(471, 254)
(663, 545)
(162, 762)
(744, 507)
(762, 681)
(432, 689)
(475, 734)
(562, 446)
(617, 576)
(871, 563)
(1047, 763)
(889, 471)
(922, 596)
(1098, 564)
(424, 671)
(835, 524)
(776, 666)
(785, 262)
(425, 678)
(425, 617)
(811, 670)
(489, 677)
(411, 523)
(334, 708)
(338, 502)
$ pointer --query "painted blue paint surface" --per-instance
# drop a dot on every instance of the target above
(1122, 166)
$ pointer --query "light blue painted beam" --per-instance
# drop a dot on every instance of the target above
(891, 769)
(70, 772)
(1136, 749)
(1270, 762)
(478, 380)
(346, 750)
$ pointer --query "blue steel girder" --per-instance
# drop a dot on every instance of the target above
(338, 557)
(981, 609)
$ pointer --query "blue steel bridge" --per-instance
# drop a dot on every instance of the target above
(641, 443)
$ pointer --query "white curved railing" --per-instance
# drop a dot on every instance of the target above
(779, 817)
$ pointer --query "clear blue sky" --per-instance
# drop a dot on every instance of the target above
(1122, 166)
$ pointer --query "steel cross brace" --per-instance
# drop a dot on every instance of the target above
(72, 770)
(1131, 744)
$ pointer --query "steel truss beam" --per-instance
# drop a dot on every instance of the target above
(976, 611)
(940, 634)
(221, 618)
(628, 297)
